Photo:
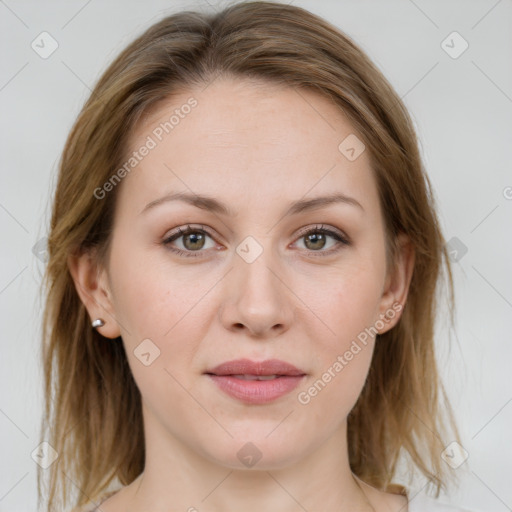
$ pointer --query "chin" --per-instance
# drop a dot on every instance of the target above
(255, 451)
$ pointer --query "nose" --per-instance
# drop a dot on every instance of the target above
(257, 297)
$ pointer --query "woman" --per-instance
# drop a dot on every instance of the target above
(244, 258)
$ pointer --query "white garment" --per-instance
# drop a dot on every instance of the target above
(422, 503)
(418, 503)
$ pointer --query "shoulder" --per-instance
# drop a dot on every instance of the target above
(422, 503)
(93, 505)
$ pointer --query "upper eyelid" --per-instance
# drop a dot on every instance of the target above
(322, 227)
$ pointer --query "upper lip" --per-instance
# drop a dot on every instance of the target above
(248, 367)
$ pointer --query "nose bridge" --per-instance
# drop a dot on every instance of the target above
(256, 265)
(256, 296)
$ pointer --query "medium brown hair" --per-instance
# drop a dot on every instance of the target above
(93, 415)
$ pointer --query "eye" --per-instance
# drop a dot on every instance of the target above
(194, 239)
(316, 239)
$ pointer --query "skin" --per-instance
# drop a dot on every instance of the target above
(256, 148)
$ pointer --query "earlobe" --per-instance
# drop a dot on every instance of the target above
(397, 283)
(91, 284)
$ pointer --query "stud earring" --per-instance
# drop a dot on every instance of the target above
(99, 322)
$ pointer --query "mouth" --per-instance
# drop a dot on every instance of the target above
(253, 377)
(256, 382)
(246, 367)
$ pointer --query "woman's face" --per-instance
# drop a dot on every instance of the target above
(256, 278)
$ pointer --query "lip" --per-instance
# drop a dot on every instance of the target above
(248, 367)
(256, 391)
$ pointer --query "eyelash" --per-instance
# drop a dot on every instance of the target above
(342, 241)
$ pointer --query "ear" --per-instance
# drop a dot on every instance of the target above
(91, 283)
(397, 283)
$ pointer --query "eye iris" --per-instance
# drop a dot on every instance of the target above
(194, 238)
(315, 237)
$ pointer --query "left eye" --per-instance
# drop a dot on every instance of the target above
(194, 239)
(315, 239)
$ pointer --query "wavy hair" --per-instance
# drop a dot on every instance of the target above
(403, 408)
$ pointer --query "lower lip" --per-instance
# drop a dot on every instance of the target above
(256, 391)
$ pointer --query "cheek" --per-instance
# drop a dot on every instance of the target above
(162, 323)
(155, 298)
(348, 305)
(343, 356)
(350, 298)
(163, 315)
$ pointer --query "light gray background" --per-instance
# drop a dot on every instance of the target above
(462, 109)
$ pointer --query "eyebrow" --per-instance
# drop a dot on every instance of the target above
(213, 205)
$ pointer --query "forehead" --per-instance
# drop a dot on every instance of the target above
(244, 139)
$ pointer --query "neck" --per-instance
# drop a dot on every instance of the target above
(177, 477)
